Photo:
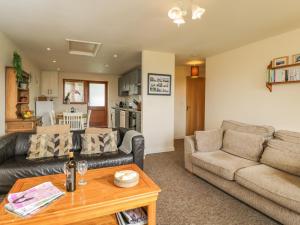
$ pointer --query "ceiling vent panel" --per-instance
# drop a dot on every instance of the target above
(86, 48)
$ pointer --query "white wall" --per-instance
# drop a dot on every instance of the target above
(6, 55)
(235, 85)
(112, 90)
(181, 72)
(157, 111)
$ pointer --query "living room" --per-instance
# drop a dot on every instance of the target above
(196, 104)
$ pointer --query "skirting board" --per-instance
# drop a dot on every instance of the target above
(153, 150)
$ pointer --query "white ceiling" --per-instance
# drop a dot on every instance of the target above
(126, 27)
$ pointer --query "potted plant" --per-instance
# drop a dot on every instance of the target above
(17, 63)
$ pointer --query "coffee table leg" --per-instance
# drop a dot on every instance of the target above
(152, 213)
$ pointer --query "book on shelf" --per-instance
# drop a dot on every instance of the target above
(30, 201)
(136, 216)
(283, 75)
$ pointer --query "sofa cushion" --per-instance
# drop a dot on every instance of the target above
(266, 131)
(53, 129)
(96, 130)
(273, 184)
(99, 143)
(282, 155)
(245, 145)
(49, 145)
(288, 136)
(20, 167)
(220, 163)
(210, 140)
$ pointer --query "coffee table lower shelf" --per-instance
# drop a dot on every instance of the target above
(104, 220)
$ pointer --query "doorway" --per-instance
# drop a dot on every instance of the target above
(195, 104)
(97, 103)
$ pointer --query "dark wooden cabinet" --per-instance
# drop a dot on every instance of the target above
(130, 83)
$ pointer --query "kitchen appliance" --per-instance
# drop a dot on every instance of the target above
(43, 108)
(121, 104)
(123, 118)
(132, 120)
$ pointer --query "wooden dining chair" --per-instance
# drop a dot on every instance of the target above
(52, 117)
(74, 120)
(87, 122)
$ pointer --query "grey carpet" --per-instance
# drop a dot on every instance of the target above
(188, 200)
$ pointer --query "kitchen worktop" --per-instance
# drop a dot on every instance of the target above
(126, 109)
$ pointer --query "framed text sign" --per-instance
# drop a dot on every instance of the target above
(159, 84)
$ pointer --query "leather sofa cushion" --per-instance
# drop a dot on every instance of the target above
(220, 163)
(20, 167)
(209, 140)
(282, 155)
(245, 145)
(273, 184)
(22, 143)
(265, 131)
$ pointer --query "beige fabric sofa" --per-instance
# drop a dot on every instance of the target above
(270, 190)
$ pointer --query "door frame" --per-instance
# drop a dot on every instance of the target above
(106, 97)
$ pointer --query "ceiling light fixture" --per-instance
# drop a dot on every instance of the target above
(115, 56)
(54, 61)
(48, 49)
(195, 62)
(177, 13)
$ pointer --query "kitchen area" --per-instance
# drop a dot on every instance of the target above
(127, 112)
(121, 100)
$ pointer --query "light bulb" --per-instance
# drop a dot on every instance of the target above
(174, 13)
(179, 21)
(197, 12)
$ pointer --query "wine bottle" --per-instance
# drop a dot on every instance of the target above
(71, 173)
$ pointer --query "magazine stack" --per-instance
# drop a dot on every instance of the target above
(30, 201)
(132, 217)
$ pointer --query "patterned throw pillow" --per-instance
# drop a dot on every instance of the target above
(49, 145)
(99, 143)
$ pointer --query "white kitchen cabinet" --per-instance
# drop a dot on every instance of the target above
(49, 83)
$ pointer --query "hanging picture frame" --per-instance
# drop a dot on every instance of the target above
(159, 84)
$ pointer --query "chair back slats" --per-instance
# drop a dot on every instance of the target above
(74, 120)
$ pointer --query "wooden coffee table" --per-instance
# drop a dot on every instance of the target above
(95, 203)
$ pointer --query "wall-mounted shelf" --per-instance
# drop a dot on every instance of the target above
(270, 84)
(281, 67)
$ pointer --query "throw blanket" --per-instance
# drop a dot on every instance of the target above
(126, 145)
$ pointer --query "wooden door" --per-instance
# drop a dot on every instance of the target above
(195, 101)
(97, 103)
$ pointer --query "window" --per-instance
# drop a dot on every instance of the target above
(97, 94)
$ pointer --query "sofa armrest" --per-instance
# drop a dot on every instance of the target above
(189, 149)
(7, 146)
(138, 146)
